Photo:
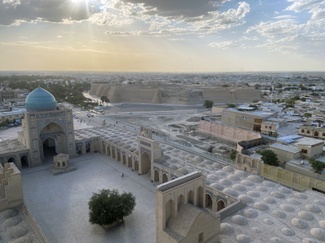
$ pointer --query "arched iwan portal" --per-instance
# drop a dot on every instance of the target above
(49, 149)
(145, 163)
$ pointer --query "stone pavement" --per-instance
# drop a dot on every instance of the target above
(59, 203)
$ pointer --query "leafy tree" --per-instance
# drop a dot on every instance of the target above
(269, 157)
(290, 103)
(208, 104)
(317, 165)
(109, 206)
(231, 105)
(306, 114)
(104, 99)
(233, 154)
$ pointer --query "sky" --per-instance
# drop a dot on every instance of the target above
(162, 35)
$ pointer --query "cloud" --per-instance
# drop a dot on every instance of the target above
(13, 12)
(180, 8)
(305, 5)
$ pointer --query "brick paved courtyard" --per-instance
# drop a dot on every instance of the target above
(60, 203)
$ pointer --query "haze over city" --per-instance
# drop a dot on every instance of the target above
(162, 36)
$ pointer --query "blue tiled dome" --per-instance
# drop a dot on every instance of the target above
(40, 100)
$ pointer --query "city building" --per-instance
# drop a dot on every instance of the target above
(198, 199)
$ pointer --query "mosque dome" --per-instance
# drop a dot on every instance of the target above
(40, 100)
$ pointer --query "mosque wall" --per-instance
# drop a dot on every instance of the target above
(180, 204)
(11, 191)
(293, 177)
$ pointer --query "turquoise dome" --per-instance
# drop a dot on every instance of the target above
(40, 100)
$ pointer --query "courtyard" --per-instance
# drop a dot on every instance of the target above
(59, 203)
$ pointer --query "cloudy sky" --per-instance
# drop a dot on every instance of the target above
(162, 35)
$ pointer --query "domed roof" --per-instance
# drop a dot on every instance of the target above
(40, 100)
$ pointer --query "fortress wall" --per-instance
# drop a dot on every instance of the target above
(95, 88)
(173, 95)
(232, 95)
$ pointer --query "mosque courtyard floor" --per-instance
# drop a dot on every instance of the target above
(59, 203)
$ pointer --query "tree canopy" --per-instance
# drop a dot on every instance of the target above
(109, 206)
(208, 104)
(269, 157)
(317, 165)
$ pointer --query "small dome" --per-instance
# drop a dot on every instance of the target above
(40, 100)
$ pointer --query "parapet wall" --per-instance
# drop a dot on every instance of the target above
(226, 132)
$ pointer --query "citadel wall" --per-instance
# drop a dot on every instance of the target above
(173, 94)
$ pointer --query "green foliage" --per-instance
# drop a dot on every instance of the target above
(231, 105)
(233, 154)
(290, 102)
(307, 114)
(269, 157)
(62, 90)
(109, 206)
(104, 99)
(208, 104)
(317, 165)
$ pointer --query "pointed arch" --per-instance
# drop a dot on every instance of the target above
(88, 147)
(129, 161)
(169, 209)
(136, 165)
(180, 201)
(220, 205)
(156, 176)
(190, 197)
(208, 201)
(24, 161)
(118, 157)
(200, 197)
(145, 163)
(124, 159)
(164, 178)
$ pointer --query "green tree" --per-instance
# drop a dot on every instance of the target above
(233, 154)
(317, 165)
(269, 157)
(208, 104)
(231, 105)
(104, 99)
(109, 206)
